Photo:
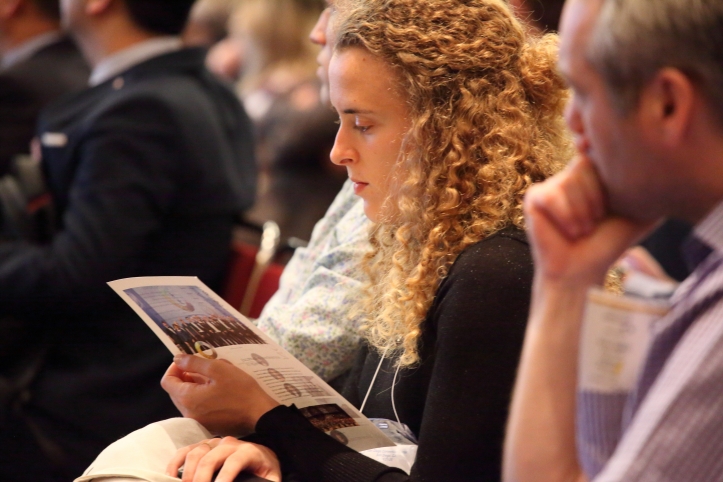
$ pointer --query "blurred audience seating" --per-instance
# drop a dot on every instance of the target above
(254, 274)
(38, 64)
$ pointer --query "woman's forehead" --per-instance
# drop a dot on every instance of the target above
(356, 75)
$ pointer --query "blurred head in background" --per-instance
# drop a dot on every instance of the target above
(21, 20)
(539, 15)
(321, 36)
(208, 22)
(102, 27)
(208, 27)
(274, 35)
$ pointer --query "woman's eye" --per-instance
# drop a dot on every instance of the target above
(361, 128)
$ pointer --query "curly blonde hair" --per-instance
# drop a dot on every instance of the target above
(486, 106)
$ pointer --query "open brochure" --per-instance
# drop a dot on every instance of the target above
(190, 318)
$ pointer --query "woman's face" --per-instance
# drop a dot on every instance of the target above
(373, 121)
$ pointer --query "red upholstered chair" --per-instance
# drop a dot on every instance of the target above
(243, 258)
(253, 277)
(268, 285)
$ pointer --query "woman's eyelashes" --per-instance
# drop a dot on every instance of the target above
(359, 125)
(362, 125)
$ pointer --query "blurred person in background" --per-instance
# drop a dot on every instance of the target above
(539, 16)
(294, 128)
(208, 22)
(147, 170)
(39, 64)
(310, 314)
(208, 27)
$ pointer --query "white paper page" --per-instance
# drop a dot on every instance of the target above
(214, 329)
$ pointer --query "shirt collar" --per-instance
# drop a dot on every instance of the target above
(710, 229)
(707, 237)
(29, 48)
(132, 56)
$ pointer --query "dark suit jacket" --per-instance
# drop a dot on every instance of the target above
(147, 171)
(27, 87)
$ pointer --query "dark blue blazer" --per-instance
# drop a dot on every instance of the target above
(147, 171)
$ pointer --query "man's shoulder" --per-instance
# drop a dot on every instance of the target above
(179, 85)
(62, 59)
(175, 75)
(173, 86)
(64, 50)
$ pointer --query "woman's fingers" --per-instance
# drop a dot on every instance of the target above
(220, 396)
(195, 378)
(252, 458)
(196, 461)
(219, 458)
(200, 461)
(188, 458)
(177, 461)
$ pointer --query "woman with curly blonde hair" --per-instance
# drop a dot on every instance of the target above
(448, 113)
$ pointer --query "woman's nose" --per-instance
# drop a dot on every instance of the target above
(318, 33)
(342, 153)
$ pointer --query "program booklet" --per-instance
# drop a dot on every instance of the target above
(190, 318)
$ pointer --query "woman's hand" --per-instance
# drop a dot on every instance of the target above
(232, 456)
(221, 397)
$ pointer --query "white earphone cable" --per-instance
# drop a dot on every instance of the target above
(374, 378)
(394, 383)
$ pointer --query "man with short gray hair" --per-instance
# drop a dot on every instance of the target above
(647, 115)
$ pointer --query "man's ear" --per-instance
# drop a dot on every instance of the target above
(96, 7)
(667, 105)
(9, 8)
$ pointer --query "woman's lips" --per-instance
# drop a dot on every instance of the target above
(359, 187)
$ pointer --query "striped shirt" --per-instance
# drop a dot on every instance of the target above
(670, 426)
(309, 314)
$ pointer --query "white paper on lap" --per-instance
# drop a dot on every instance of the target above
(145, 453)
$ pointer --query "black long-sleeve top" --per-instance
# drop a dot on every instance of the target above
(455, 401)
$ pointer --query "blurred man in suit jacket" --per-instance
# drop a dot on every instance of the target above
(147, 170)
(39, 64)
